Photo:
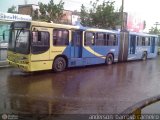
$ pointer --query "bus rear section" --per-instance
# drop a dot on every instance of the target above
(100, 46)
(137, 46)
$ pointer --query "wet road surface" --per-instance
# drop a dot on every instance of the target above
(87, 90)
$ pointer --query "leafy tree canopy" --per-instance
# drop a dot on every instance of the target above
(49, 12)
(154, 30)
(100, 15)
(12, 9)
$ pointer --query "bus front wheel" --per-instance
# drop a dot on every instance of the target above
(59, 64)
(109, 59)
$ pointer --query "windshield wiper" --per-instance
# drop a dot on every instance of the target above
(17, 35)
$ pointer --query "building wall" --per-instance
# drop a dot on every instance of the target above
(26, 10)
(29, 9)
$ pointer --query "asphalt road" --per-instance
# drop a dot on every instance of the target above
(86, 90)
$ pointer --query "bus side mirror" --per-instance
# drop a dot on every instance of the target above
(3, 35)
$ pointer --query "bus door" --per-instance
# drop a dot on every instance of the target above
(76, 44)
(123, 46)
(132, 46)
(152, 44)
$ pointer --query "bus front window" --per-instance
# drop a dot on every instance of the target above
(19, 41)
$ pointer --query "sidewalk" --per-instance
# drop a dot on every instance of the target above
(4, 64)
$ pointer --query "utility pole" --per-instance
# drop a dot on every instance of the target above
(122, 16)
(157, 23)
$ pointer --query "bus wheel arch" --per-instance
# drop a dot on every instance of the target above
(60, 63)
(144, 56)
(109, 58)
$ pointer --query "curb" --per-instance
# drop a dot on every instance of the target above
(4, 64)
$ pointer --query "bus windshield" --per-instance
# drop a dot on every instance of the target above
(19, 41)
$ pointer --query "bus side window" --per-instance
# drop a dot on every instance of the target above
(115, 41)
(40, 42)
(34, 37)
(100, 39)
(111, 39)
(149, 41)
(143, 41)
(107, 40)
(89, 39)
(60, 37)
(139, 41)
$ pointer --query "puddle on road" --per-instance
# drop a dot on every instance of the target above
(94, 89)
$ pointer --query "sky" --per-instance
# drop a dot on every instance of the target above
(146, 9)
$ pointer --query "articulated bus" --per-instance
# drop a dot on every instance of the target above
(35, 46)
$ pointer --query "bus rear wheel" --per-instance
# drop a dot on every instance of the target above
(144, 56)
(109, 59)
(59, 64)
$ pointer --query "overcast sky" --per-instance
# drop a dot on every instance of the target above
(147, 9)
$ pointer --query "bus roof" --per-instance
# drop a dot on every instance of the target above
(101, 30)
(47, 24)
(80, 27)
(143, 34)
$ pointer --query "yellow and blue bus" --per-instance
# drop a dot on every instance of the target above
(35, 46)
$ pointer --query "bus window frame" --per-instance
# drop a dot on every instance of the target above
(66, 42)
(93, 39)
(103, 40)
(31, 43)
(110, 41)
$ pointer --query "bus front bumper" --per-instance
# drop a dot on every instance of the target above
(24, 67)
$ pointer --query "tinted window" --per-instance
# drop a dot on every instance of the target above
(100, 39)
(143, 41)
(89, 38)
(40, 42)
(147, 41)
(60, 37)
(139, 41)
(112, 40)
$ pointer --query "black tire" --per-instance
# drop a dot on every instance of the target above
(59, 64)
(109, 59)
(144, 56)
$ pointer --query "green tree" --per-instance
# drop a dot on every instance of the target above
(154, 30)
(12, 9)
(85, 16)
(100, 15)
(51, 11)
(35, 15)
